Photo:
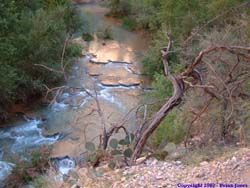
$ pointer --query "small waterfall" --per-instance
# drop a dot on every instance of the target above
(5, 170)
(64, 165)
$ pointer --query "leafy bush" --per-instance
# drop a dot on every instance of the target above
(171, 129)
(73, 50)
(129, 23)
(162, 87)
(181, 19)
(33, 32)
(119, 8)
(147, 13)
(105, 33)
(87, 37)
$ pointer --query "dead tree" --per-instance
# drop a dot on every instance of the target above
(180, 85)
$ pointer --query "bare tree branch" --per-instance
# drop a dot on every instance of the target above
(49, 69)
(172, 102)
(225, 86)
(203, 110)
(179, 89)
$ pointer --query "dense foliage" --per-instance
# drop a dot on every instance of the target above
(33, 32)
(194, 25)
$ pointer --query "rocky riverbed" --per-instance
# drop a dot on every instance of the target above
(109, 70)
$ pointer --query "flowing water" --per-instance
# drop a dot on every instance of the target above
(108, 70)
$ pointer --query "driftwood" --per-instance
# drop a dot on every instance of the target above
(180, 85)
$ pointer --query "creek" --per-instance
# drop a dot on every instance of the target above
(108, 69)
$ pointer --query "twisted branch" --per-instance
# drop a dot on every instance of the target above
(179, 89)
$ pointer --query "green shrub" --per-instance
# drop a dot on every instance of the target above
(129, 23)
(171, 129)
(105, 33)
(31, 33)
(147, 13)
(73, 50)
(152, 61)
(162, 87)
(119, 8)
(87, 37)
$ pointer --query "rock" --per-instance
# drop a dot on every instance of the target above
(234, 159)
(64, 148)
(123, 179)
(119, 62)
(204, 163)
(176, 155)
(98, 62)
(129, 82)
(104, 168)
(140, 160)
(74, 101)
(50, 134)
(170, 148)
(81, 42)
(94, 69)
(83, 172)
(74, 186)
(109, 82)
(178, 162)
(134, 68)
(118, 76)
(113, 51)
(235, 166)
(77, 100)
(200, 175)
(67, 100)
(154, 162)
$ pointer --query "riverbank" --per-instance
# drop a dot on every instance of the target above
(32, 43)
(230, 169)
(110, 72)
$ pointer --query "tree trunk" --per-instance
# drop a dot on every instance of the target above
(172, 102)
(179, 88)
